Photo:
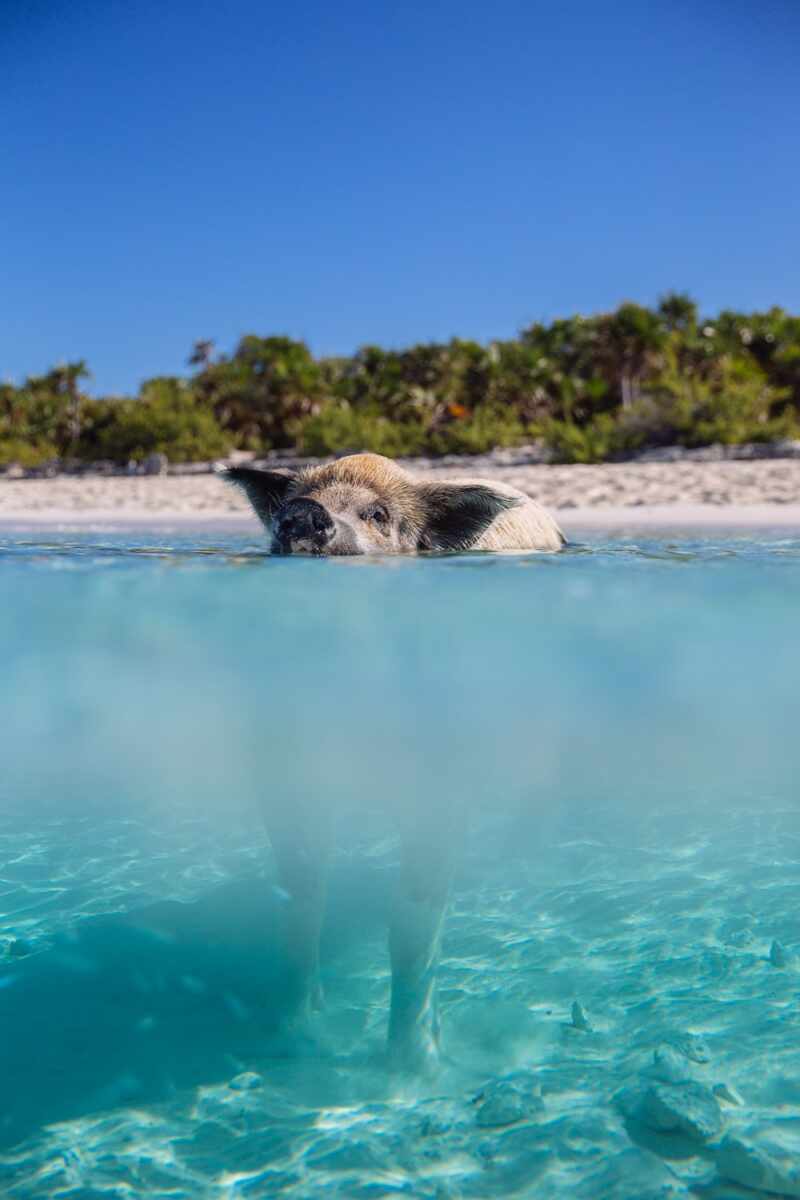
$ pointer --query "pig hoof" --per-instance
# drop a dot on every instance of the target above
(420, 1057)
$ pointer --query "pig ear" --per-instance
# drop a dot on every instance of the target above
(266, 490)
(456, 514)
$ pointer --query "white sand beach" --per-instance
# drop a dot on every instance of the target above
(757, 492)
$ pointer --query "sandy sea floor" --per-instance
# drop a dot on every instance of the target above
(621, 958)
(681, 1083)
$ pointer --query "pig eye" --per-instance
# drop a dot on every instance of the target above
(376, 513)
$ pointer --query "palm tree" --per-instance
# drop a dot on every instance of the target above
(63, 381)
(632, 342)
(678, 312)
(201, 354)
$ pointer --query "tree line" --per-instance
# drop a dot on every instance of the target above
(589, 388)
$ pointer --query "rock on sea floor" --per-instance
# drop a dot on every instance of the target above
(688, 1108)
(763, 1157)
(512, 1098)
(246, 1081)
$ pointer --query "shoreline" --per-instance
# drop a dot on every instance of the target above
(598, 517)
(756, 493)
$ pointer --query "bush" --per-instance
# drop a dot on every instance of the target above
(337, 428)
(734, 404)
(26, 453)
(487, 427)
(593, 442)
(167, 419)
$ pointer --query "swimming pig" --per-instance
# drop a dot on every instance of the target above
(367, 504)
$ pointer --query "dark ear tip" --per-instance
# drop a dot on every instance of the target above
(246, 475)
(504, 503)
(233, 474)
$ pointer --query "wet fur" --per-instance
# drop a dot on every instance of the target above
(471, 514)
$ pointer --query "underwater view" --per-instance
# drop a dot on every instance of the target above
(211, 758)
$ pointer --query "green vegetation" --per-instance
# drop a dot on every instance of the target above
(591, 388)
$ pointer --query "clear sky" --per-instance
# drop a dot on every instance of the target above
(351, 171)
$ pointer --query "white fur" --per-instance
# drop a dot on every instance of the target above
(527, 526)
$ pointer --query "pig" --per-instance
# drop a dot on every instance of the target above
(368, 504)
(359, 505)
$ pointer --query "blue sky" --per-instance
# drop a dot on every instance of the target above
(357, 172)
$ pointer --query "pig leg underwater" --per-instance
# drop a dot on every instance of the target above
(428, 854)
(301, 844)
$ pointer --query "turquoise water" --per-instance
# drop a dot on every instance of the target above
(619, 726)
